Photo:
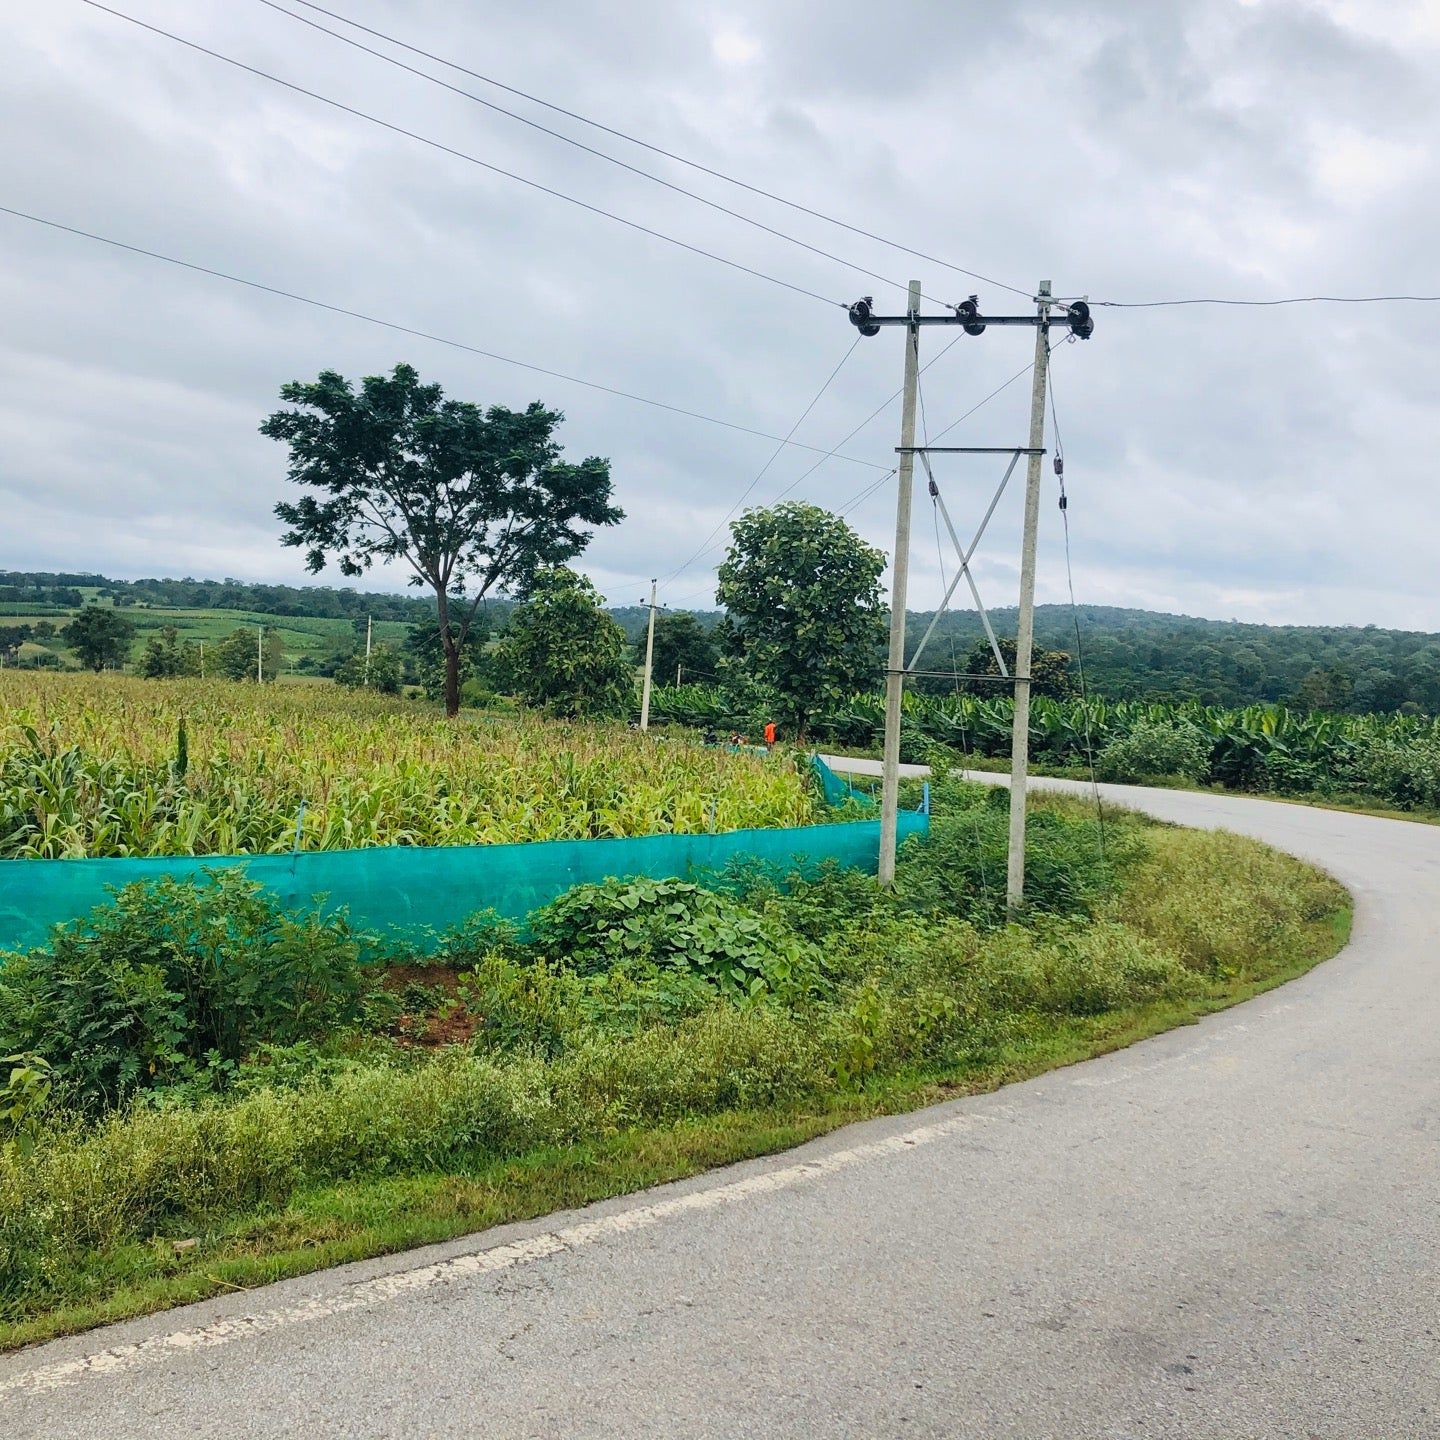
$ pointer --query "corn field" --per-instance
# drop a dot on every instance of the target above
(116, 766)
(1394, 758)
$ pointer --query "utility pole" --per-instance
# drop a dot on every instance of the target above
(899, 581)
(260, 656)
(1075, 314)
(368, 623)
(649, 663)
(1025, 628)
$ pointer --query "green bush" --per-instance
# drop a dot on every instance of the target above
(676, 925)
(1155, 750)
(173, 977)
(959, 867)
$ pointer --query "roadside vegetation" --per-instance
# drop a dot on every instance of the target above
(205, 1093)
(1391, 761)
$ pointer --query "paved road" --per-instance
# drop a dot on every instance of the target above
(1229, 1231)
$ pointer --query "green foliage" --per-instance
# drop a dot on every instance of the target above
(682, 647)
(24, 1099)
(1049, 671)
(959, 867)
(1155, 750)
(141, 992)
(680, 926)
(165, 657)
(100, 637)
(801, 592)
(562, 651)
(470, 499)
(380, 672)
(242, 651)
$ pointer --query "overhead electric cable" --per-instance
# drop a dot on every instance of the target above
(658, 150)
(465, 155)
(588, 149)
(428, 335)
(1288, 300)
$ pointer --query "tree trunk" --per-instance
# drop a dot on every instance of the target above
(452, 654)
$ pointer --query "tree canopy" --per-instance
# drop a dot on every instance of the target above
(100, 637)
(802, 594)
(469, 499)
(683, 649)
(563, 652)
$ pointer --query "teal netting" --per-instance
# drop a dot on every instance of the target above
(836, 789)
(418, 891)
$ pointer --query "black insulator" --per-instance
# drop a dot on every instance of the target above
(934, 491)
(860, 316)
(1059, 464)
(968, 312)
(1081, 325)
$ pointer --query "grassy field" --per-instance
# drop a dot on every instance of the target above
(510, 1080)
(98, 765)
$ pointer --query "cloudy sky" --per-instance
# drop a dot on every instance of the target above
(1268, 464)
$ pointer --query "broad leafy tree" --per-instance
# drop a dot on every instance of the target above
(562, 652)
(470, 499)
(801, 591)
(683, 647)
(1049, 670)
(381, 672)
(100, 637)
(236, 656)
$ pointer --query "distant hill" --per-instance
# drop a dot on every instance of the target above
(1127, 653)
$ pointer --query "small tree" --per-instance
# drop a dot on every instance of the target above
(801, 592)
(563, 652)
(100, 637)
(235, 656)
(165, 657)
(683, 646)
(469, 499)
(381, 672)
(1049, 670)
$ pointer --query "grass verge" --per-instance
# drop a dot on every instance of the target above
(323, 1224)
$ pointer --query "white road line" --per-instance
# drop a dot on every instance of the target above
(369, 1294)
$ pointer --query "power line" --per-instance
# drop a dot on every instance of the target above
(427, 335)
(659, 150)
(760, 474)
(1288, 300)
(588, 149)
(464, 155)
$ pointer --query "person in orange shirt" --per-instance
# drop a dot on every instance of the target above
(770, 734)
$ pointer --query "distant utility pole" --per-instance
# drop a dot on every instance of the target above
(1075, 314)
(260, 656)
(368, 624)
(649, 663)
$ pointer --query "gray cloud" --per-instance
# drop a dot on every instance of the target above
(1257, 463)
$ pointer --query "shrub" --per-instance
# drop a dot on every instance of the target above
(1155, 750)
(173, 974)
(679, 926)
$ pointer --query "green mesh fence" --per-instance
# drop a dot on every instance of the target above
(418, 890)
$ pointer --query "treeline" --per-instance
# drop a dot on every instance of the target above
(322, 602)
(1147, 655)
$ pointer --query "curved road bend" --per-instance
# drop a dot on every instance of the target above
(1229, 1231)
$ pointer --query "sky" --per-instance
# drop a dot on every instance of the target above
(1266, 464)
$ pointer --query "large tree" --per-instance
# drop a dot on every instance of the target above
(563, 652)
(801, 591)
(470, 499)
(1049, 670)
(100, 637)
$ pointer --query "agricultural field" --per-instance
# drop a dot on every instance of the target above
(110, 765)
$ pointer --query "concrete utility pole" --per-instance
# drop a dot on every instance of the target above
(368, 624)
(899, 581)
(649, 663)
(260, 656)
(1025, 628)
(1075, 315)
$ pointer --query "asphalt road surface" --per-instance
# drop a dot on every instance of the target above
(1232, 1230)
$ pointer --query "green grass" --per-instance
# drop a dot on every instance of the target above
(329, 1223)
